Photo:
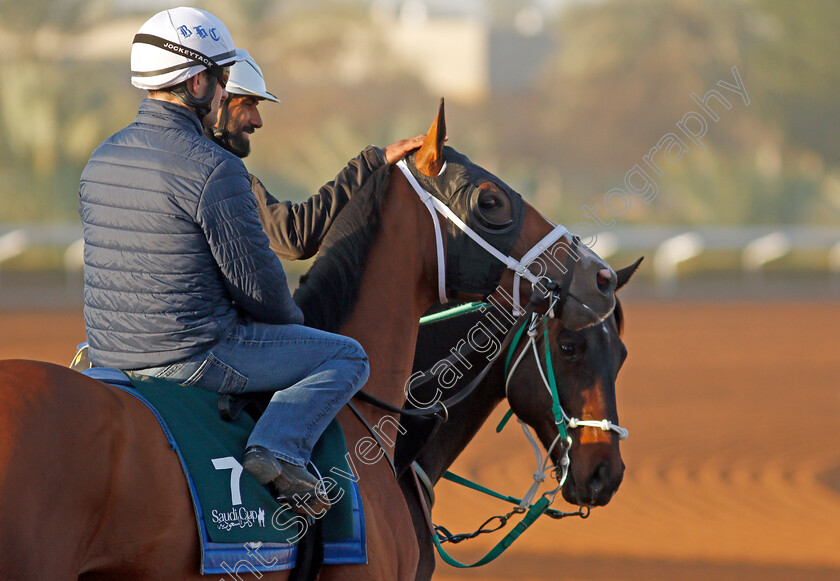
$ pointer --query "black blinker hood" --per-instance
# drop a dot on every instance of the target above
(469, 268)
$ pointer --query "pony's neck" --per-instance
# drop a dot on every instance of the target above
(396, 289)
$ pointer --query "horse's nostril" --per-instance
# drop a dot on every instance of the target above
(598, 481)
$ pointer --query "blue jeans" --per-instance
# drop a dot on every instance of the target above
(314, 373)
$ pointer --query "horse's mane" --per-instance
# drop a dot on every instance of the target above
(618, 312)
(330, 289)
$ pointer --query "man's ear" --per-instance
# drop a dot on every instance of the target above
(198, 84)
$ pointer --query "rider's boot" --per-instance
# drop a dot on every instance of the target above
(289, 483)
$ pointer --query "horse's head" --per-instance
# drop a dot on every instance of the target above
(516, 236)
(585, 365)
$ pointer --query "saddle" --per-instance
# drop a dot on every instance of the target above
(225, 526)
(230, 406)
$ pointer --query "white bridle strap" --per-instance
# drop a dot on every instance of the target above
(604, 424)
(427, 200)
(520, 267)
(543, 465)
(547, 242)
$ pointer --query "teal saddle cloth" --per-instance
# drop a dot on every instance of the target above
(238, 520)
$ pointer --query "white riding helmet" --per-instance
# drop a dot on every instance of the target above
(177, 44)
(246, 78)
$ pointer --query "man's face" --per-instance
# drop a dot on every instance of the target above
(242, 119)
(221, 95)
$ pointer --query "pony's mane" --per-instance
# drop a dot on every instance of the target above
(328, 292)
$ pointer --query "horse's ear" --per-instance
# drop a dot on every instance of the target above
(429, 158)
(625, 273)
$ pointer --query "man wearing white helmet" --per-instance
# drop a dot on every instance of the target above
(238, 117)
(294, 230)
(180, 282)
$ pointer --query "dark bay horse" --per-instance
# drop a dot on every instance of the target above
(89, 487)
(586, 364)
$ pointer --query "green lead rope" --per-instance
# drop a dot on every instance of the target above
(559, 417)
(511, 350)
(530, 518)
(542, 506)
(452, 477)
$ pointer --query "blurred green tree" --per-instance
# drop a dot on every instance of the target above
(797, 72)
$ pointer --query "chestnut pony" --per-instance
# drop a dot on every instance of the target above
(89, 488)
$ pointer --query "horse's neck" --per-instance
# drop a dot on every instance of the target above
(396, 289)
(465, 420)
(438, 342)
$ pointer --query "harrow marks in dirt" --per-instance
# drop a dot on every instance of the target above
(732, 411)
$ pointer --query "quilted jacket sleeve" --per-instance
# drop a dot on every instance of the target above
(253, 274)
(295, 231)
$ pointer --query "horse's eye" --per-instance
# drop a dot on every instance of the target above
(568, 349)
(491, 209)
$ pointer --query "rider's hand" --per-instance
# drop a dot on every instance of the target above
(396, 151)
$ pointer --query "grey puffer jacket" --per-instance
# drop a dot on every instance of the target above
(175, 253)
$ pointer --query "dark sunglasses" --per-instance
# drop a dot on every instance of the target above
(222, 74)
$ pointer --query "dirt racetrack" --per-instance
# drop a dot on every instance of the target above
(733, 460)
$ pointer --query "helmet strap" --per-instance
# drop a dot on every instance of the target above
(193, 56)
(201, 105)
(218, 130)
